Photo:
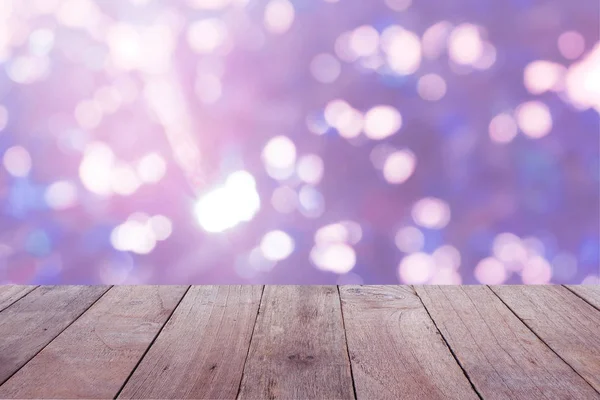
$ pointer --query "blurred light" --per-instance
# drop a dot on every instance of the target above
(435, 39)
(537, 271)
(364, 41)
(534, 119)
(27, 69)
(337, 257)
(446, 276)
(431, 87)
(206, 35)
(161, 226)
(349, 123)
(316, 125)
(279, 157)
(490, 271)
(488, 57)
(228, 205)
(95, 170)
(403, 49)
(108, 99)
(431, 213)
(41, 42)
(284, 199)
(312, 202)
(571, 44)
(409, 239)
(503, 128)
(209, 4)
(332, 233)
(88, 114)
(508, 248)
(78, 13)
(416, 269)
(542, 76)
(276, 245)
(124, 180)
(151, 168)
(3, 117)
(208, 88)
(465, 44)
(381, 122)
(380, 154)
(279, 16)
(310, 168)
(61, 195)
(325, 68)
(134, 236)
(399, 166)
(17, 161)
(583, 81)
(343, 49)
(447, 257)
(398, 5)
(125, 46)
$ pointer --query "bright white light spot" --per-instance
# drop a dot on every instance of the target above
(228, 205)
(431, 213)
(398, 5)
(284, 199)
(95, 170)
(488, 57)
(541, 76)
(416, 269)
(209, 4)
(279, 157)
(61, 195)
(503, 128)
(381, 122)
(364, 41)
(465, 44)
(332, 233)
(310, 168)
(490, 271)
(277, 245)
(134, 236)
(571, 44)
(207, 35)
(325, 68)
(537, 271)
(124, 180)
(338, 257)
(279, 16)
(583, 81)
(431, 87)
(508, 248)
(151, 168)
(447, 257)
(534, 119)
(161, 226)
(409, 239)
(17, 161)
(403, 50)
(399, 166)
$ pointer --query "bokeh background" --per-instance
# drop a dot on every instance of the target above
(299, 141)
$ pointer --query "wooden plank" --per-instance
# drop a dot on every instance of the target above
(566, 323)
(395, 349)
(201, 351)
(590, 293)
(11, 293)
(298, 348)
(502, 357)
(94, 356)
(30, 324)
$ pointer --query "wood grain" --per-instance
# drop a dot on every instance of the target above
(395, 349)
(31, 323)
(201, 351)
(11, 293)
(502, 357)
(591, 293)
(566, 323)
(298, 349)
(102, 346)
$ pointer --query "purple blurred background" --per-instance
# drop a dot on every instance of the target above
(299, 141)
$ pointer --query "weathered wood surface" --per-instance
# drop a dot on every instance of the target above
(566, 323)
(32, 322)
(503, 358)
(296, 342)
(103, 345)
(9, 294)
(396, 351)
(590, 293)
(200, 353)
(298, 349)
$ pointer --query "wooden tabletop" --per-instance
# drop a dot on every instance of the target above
(300, 342)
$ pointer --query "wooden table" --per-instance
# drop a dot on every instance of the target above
(303, 342)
